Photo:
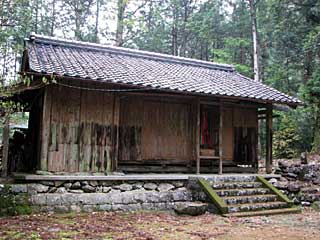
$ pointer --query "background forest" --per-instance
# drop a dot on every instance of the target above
(288, 43)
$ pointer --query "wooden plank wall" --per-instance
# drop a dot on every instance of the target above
(156, 129)
(77, 130)
(233, 117)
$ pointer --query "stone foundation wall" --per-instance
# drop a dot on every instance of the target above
(87, 196)
(300, 182)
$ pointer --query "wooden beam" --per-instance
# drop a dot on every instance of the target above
(198, 136)
(269, 139)
(221, 139)
(5, 143)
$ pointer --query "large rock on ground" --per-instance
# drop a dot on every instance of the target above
(191, 208)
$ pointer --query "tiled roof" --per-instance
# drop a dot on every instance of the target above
(145, 69)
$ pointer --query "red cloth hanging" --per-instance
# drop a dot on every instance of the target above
(205, 131)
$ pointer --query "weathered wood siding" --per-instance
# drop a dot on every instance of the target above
(156, 129)
(78, 130)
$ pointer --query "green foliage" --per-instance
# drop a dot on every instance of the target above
(11, 204)
(286, 138)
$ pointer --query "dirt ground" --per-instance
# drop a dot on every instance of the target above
(159, 225)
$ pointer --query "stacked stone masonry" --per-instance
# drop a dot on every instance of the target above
(88, 196)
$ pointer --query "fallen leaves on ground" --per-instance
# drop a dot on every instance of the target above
(158, 226)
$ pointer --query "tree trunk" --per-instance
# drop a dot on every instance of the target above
(254, 40)
(96, 27)
(120, 24)
(174, 31)
(53, 17)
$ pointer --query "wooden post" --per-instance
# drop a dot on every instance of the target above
(198, 136)
(221, 138)
(45, 128)
(116, 127)
(269, 139)
(5, 143)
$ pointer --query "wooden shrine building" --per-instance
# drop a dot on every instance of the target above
(97, 108)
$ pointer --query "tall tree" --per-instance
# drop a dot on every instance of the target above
(121, 7)
(256, 64)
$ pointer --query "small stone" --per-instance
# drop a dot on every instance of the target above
(47, 183)
(37, 188)
(191, 208)
(306, 204)
(273, 181)
(61, 190)
(293, 187)
(165, 187)
(88, 188)
(93, 183)
(67, 185)
(58, 183)
(76, 185)
(83, 183)
(125, 187)
(178, 184)
(150, 186)
(106, 189)
(292, 175)
(137, 185)
(76, 191)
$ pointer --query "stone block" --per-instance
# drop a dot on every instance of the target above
(19, 188)
(88, 189)
(35, 188)
(53, 199)
(150, 186)
(164, 187)
(38, 199)
(191, 208)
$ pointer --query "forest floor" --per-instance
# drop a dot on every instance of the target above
(159, 225)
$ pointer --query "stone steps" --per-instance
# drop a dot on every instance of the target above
(247, 196)
(250, 199)
(256, 206)
(236, 185)
(242, 191)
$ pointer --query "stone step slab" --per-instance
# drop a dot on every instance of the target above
(243, 191)
(264, 212)
(250, 199)
(256, 207)
(235, 185)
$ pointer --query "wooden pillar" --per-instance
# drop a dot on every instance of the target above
(269, 139)
(116, 127)
(221, 138)
(45, 128)
(198, 136)
(5, 143)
